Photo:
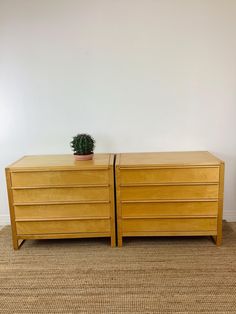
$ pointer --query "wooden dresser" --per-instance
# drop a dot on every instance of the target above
(169, 194)
(55, 196)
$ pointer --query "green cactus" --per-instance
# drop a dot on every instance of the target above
(82, 144)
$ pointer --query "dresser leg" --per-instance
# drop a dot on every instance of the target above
(15, 244)
(120, 241)
(113, 241)
(217, 239)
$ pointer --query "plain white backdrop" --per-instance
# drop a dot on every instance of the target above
(138, 75)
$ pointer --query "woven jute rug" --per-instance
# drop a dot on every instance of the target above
(146, 275)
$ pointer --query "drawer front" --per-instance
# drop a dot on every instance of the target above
(61, 194)
(169, 225)
(55, 178)
(62, 211)
(169, 192)
(50, 227)
(129, 176)
(169, 209)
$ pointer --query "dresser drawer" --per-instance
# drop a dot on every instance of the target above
(57, 178)
(55, 196)
(169, 225)
(150, 209)
(62, 211)
(73, 226)
(129, 176)
(169, 192)
(61, 194)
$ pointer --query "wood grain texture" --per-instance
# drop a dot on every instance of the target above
(61, 194)
(56, 197)
(112, 201)
(201, 209)
(59, 162)
(170, 225)
(168, 159)
(63, 226)
(11, 209)
(169, 194)
(118, 202)
(57, 178)
(218, 238)
(62, 210)
(203, 174)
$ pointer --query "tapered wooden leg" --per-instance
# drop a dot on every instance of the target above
(120, 241)
(15, 243)
(217, 239)
(113, 241)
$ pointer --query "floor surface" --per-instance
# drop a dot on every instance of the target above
(146, 275)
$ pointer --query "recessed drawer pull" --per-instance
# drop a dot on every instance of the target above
(168, 184)
(169, 217)
(61, 186)
(170, 200)
(61, 203)
(62, 218)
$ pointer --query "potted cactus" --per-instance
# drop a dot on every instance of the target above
(83, 146)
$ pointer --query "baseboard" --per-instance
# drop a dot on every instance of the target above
(230, 215)
(4, 220)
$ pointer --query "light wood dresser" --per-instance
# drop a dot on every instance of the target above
(169, 194)
(55, 196)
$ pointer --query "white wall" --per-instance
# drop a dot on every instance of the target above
(139, 75)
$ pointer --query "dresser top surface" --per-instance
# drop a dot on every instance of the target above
(61, 162)
(197, 158)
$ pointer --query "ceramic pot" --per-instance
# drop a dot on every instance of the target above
(84, 157)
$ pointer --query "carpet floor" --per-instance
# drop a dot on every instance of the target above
(147, 275)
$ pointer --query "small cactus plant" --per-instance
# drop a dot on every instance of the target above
(83, 145)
